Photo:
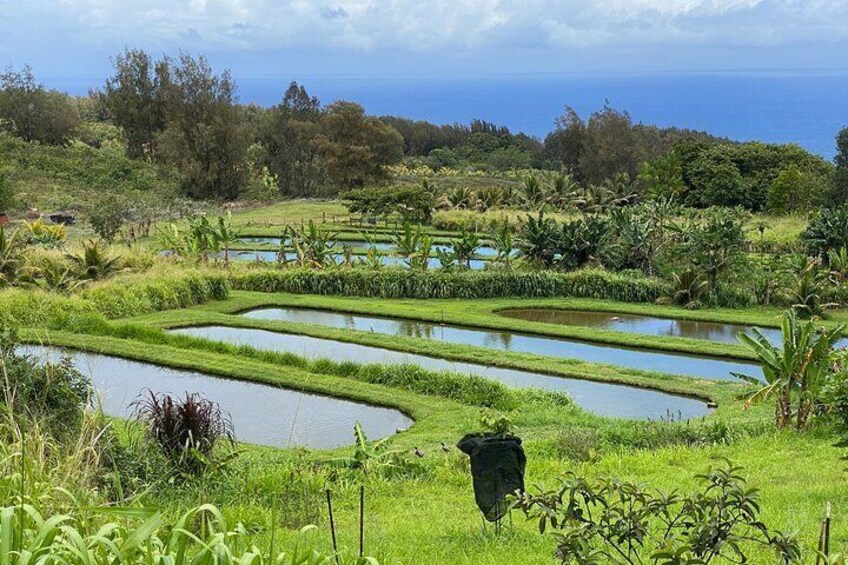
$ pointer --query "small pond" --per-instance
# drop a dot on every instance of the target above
(636, 323)
(600, 398)
(503, 340)
(261, 414)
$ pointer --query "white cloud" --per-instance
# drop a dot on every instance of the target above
(441, 25)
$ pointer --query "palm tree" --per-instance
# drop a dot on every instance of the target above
(94, 262)
(794, 372)
(534, 192)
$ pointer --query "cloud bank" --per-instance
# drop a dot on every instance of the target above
(441, 25)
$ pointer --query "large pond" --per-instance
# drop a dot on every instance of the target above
(261, 414)
(680, 364)
(600, 398)
(650, 325)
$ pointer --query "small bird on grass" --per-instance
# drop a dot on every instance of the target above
(418, 452)
(445, 448)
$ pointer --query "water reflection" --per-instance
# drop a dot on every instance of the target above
(600, 398)
(650, 325)
(502, 340)
(261, 414)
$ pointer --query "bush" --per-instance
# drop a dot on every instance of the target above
(397, 283)
(50, 395)
(609, 521)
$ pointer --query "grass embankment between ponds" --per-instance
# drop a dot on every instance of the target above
(722, 393)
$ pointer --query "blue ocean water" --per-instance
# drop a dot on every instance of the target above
(807, 108)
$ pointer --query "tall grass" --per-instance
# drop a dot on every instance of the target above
(123, 296)
(396, 283)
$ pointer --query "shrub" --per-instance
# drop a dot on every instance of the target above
(53, 395)
(608, 521)
(41, 233)
(106, 216)
(187, 430)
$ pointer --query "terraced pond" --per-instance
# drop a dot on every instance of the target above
(271, 256)
(261, 414)
(649, 325)
(502, 340)
(484, 251)
(600, 398)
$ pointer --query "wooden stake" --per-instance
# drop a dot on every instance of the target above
(361, 520)
(332, 526)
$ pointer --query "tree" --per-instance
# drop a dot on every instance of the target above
(33, 113)
(786, 191)
(840, 183)
(565, 145)
(7, 195)
(106, 217)
(288, 134)
(661, 177)
(204, 136)
(414, 202)
(135, 97)
(355, 147)
(713, 240)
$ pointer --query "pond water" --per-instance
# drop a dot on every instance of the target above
(503, 340)
(650, 325)
(600, 398)
(484, 251)
(261, 414)
(271, 256)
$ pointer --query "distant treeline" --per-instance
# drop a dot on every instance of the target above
(177, 113)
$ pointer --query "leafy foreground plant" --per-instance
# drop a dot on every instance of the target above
(605, 521)
(28, 536)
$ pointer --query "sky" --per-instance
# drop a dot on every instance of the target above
(73, 40)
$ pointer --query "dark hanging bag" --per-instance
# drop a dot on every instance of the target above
(497, 468)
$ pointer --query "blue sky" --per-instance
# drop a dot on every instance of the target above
(69, 40)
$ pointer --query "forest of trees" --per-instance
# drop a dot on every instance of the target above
(180, 114)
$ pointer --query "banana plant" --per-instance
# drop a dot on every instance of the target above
(793, 374)
(368, 458)
(224, 235)
(503, 242)
(466, 246)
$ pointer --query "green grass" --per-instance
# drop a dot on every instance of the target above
(428, 515)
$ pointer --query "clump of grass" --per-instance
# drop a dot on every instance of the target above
(187, 430)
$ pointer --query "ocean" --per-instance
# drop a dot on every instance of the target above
(804, 108)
